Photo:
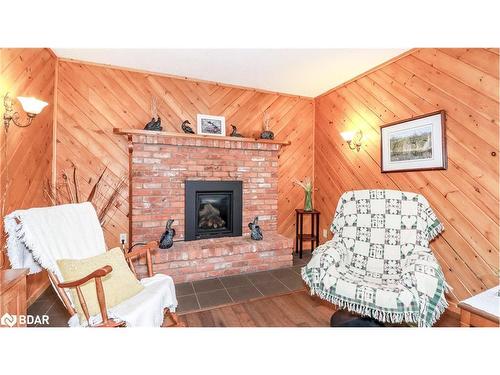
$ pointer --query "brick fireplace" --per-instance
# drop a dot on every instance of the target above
(160, 166)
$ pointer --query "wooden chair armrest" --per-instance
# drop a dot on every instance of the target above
(97, 275)
(100, 272)
(144, 249)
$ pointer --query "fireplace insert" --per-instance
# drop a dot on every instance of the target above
(212, 209)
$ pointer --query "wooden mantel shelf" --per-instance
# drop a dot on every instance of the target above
(150, 133)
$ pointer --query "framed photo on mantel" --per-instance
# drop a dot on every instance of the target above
(414, 144)
(211, 125)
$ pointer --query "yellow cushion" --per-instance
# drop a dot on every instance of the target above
(119, 285)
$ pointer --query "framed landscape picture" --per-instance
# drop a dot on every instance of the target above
(415, 144)
(211, 125)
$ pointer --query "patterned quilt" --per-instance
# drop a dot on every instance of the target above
(379, 263)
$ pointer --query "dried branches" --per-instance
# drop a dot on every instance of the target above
(50, 193)
(109, 202)
(103, 194)
(154, 107)
(93, 192)
(266, 121)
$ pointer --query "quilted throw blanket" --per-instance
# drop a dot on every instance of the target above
(379, 263)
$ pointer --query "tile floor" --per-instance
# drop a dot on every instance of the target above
(214, 292)
(203, 294)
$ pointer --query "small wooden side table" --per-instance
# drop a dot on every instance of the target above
(481, 310)
(13, 295)
(300, 236)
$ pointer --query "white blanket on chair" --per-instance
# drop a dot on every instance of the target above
(39, 236)
(145, 309)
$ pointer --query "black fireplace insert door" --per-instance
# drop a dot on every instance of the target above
(213, 209)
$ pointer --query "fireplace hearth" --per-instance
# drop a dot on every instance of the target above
(212, 209)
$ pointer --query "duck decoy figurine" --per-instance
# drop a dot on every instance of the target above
(167, 238)
(267, 134)
(157, 125)
(154, 124)
(186, 128)
(255, 231)
(150, 124)
(235, 133)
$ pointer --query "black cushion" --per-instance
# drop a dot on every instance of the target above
(344, 318)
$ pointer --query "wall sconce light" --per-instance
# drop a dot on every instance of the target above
(353, 139)
(31, 106)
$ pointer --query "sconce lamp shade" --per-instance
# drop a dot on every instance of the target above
(353, 139)
(348, 136)
(32, 106)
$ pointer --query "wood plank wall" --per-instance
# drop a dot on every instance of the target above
(92, 99)
(463, 82)
(26, 153)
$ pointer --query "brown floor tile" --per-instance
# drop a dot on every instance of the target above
(293, 282)
(184, 289)
(243, 293)
(282, 273)
(306, 257)
(297, 269)
(234, 281)
(271, 287)
(213, 298)
(260, 277)
(208, 285)
(187, 303)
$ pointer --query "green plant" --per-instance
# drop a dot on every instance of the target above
(307, 185)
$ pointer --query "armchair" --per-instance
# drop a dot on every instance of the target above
(379, 263)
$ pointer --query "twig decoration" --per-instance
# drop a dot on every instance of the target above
(68, 191)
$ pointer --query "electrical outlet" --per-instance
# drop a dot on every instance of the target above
(325, 233)
(123, 237)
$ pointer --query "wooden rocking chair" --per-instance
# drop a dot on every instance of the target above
(97, 275)
(78, 227)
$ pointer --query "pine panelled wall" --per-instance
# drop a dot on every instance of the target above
(26, 153)
(94, 99)
(463, 82)
(86, 101)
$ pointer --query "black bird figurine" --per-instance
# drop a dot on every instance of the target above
(157, 125)
(154, 125)
(267, 134)
(235, 133)
(150, 124)
(255, 231)
(186, 128)
(167, 238)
